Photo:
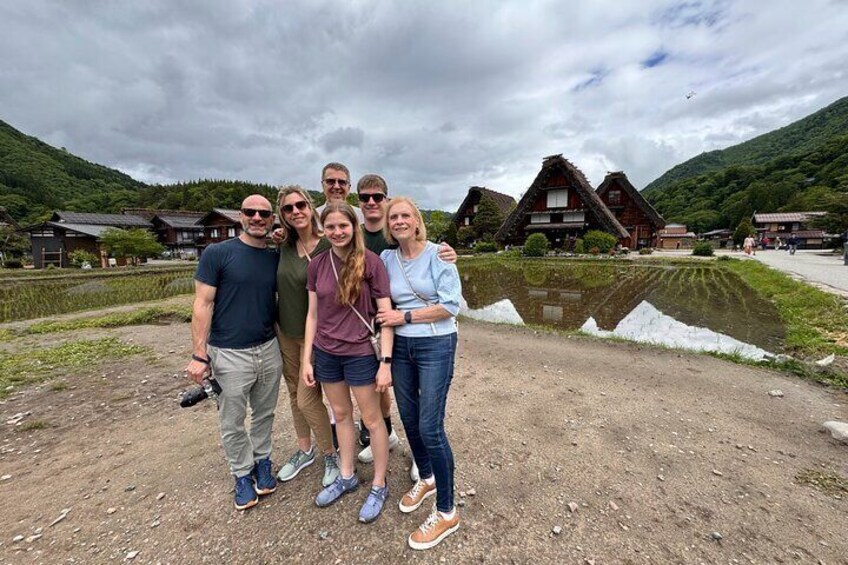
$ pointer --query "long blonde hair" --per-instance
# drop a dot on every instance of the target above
(353, 267)
(289, 233)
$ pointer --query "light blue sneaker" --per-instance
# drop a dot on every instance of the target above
(373, 504)
(296, 463)
(331, 469)
(333, 492)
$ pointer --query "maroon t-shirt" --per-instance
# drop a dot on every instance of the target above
(339, 330)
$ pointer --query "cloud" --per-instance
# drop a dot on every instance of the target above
(342, 137)
(435, 97)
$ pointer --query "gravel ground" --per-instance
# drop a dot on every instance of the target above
(568, 450)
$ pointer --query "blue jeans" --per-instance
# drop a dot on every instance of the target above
(422, 369)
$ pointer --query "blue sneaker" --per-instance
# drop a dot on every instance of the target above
(336, 489)
(264, 477)
(245, 493)
(373, 504)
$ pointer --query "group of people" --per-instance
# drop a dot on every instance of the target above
(749, 245)
(352, 301)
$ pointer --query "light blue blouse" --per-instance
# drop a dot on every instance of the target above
(433, 279)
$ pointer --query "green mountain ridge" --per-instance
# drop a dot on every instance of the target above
(799, 167)
(797, 138)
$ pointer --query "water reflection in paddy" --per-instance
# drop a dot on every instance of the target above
(564, 294)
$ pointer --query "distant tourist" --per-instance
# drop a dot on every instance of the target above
(427, 292)
(792, 244)
(749, 245)
(764, 242)
(232, 332)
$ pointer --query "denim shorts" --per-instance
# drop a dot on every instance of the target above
(352, 370)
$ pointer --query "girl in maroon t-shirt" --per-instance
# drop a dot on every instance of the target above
(347, 285)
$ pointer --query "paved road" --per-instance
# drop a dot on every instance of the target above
(827, 271)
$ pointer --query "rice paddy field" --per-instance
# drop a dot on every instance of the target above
(26, 295)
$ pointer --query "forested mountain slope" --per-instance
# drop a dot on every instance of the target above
(803, 166)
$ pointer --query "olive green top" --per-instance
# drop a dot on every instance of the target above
(293, 301)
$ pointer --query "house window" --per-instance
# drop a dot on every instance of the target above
(574, 217)
(467, 221)
(614, 197)
(231, 232)
(540, 219)
(476, 207)
(213, 233)
(557, 198)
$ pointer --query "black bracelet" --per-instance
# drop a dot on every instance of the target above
(200, 359)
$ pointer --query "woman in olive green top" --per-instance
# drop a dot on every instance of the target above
(302, 240)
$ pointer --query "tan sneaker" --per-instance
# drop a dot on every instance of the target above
(416, 496)
(434, 529)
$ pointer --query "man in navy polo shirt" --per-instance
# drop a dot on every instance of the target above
(232, 331)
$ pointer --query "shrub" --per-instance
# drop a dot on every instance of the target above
(514, 252)
(646, 251)
(536, 245)
(465, 236)
(578, 246)
(703, 249)
(13, 264)
(601, 240)
(624, 251)
(724, 258)
(82, 256)
(485, 247)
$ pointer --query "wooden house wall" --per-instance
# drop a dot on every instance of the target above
(628, 213)
(223, 225)
(468, 210)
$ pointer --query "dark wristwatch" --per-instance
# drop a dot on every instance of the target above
(386, 360)
(407, 317)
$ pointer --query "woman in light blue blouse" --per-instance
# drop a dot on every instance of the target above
(426, 291)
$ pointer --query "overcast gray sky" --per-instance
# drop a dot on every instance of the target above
(435, 96)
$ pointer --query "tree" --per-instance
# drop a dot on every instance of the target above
(743, 230)
(465, 236)
(488, 219)
(437, 223)
(12, 243)
(451, 234)
(132, 243)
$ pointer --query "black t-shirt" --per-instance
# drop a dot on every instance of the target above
(375, 241)
(245, 279)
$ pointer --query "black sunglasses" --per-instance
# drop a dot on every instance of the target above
(250, 212)
(330, 182)
(377, 197)
(289, 208)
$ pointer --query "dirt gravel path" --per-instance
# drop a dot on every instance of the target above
(632, 454)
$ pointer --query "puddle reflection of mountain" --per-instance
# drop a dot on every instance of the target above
(565, 295)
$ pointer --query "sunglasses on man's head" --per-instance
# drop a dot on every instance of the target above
(377, 197)
(250, 212)
(289, 208)
(330, 182)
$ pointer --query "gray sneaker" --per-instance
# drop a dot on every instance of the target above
(297, 462)
(331, 469)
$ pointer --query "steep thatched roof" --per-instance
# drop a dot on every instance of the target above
(557, 164)
(504, 202)
(634, 194)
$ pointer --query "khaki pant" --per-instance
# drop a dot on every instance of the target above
(307, 406)
(246, 375)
